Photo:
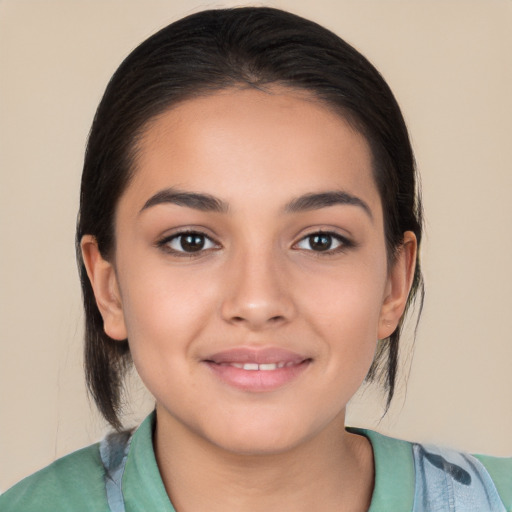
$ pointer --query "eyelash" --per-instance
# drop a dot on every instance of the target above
(344, 243)
(164, 244)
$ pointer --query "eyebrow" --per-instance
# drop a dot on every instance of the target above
(325, 199)
(209, 203)
(202, 202)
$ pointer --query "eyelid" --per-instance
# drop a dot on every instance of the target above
(345, 242)
(164, 241)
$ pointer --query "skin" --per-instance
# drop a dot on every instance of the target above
(258, 283)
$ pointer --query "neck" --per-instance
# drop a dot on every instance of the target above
(331, 472)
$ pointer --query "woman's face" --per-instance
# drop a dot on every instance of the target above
(250, 273)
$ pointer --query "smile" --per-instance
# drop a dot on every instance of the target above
(260, 367)
(257, 370)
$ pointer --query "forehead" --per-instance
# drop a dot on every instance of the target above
(253, 145)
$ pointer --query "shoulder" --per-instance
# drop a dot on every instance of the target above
(448, 476)
(424, 477)
(74, 483)
(500, 470)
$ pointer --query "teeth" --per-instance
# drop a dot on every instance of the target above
(270, 366)
(261, 367)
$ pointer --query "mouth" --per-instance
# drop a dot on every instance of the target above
(257, 370)
(264, 367)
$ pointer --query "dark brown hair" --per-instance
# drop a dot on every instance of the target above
(218, 49)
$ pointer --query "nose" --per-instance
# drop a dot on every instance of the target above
(258, 294)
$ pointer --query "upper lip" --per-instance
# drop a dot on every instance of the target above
(256, 355)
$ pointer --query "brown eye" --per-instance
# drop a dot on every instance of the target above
(320, 242)
(192, 242)
(188, 242)
(324, 242)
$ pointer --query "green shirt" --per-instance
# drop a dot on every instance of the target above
(76, 483)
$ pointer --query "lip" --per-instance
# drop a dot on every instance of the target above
(275, 368)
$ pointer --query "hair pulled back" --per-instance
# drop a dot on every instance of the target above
(207, 52)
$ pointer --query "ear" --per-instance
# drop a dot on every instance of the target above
(398, 286)
(106, 290)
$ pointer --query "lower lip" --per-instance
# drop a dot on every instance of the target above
(257, 380)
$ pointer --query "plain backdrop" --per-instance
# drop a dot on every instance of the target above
(450, 66)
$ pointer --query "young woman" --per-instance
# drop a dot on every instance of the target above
(248, 237)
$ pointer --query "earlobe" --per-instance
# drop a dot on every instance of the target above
(106, 290)
(398, 286)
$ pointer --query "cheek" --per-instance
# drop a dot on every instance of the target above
(164, 310)
(163, 321)
(349, 321)
(350, 297)
(344, 309)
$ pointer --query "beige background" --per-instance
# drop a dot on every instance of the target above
(450, 65)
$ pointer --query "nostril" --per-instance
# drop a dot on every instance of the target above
(256, 314)
(273, 319)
